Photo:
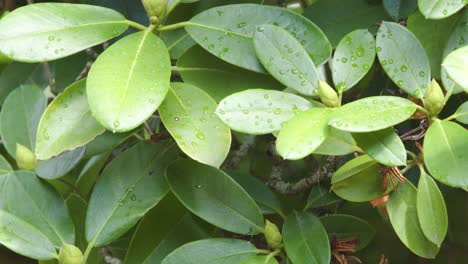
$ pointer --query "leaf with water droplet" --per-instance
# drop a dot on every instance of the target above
(438, 9)
(85, 26)
(277, 42)
(404, 49)
(207, 141)
(346, 75)
(263, 105)
(456, 66)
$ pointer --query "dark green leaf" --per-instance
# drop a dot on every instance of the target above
(105, 142)
(57, 167)
(319, 197)
(305, 239)
(285, 58)
(90, 173)
(67, 70)
(77, 208)
(400, 8)
(48, 31)
(128, 188)
(135, 71)
(208, 192)
(437, 9)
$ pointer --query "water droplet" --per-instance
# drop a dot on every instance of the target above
(225, 50)
(281, 72)
(277, 111)
(300, 75)
(260, 29)
(241, 25)
(205, 39)
(211, 46)
(290, 50)
(360, 51)
(417, 93)
(200, 135)
(194, 144)
(303, 42)
(445, 12)
(220, 13)
(198, 186)
(403, 68)
(353, 58)
(303, 83)
(354, 65)
(51, 38)
(116, 123)
(344, 60)
(151, 101)
(269, 120)
(422, 73)
(339, 124)
(390, 61)
(266, 96)
(294, 71)
(365, 66)
(176, 118)
(245, 111)
(379, 49)
(56, 51)
(133, 197)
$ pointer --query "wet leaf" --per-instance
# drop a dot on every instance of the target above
(456, 66)
(462, 113)
(437, 9)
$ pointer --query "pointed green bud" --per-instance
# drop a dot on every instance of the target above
(328, 95)
(69, 254)
(434, 98)
(273, 235)
(25, 158)
(155, 8)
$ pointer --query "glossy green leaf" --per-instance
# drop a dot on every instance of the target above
(432, 213)
(57, 167)
(437, 9)
(178, 42)
(90, 173)
(285, 58)
(266, 199)
(67, 70)
(208, 192)
(305, 239)
(353, 58)
(67, 123)
(337, 17)
(462, 113)
(260, 260)
(129, 186)
(259, 111)
(337, 143)
(348, 226)
(22, 238)
(135, 71)
(320, 197)
(433, 35)
(445, 154)
(39, 204)
(5, 167)
(218, 78)
(384, 146)
(359, 180)
(77, 207)
(188, 114)
(20, 117)
(403, 58)
(401, 207)
(227, 32)
(214, 250)
(372, 114)
(164, 228)
(48, 31)
(105, 142)
(456, 66)
(455, 41)
(400, 8)
(301, 135)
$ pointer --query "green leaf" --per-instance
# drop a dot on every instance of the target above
(208, 192)
(400, 8)
(5, 167)
(455, 41)
(384, 146)
(337, 17)
(433, 35)
(403, 58)
(401, 208)
(445, 154)
(20, 117)
(178, 42)
(227, 32)
(320, 197)
(57, 167)
(218, 78)
(67, 70)
(22, 238)
(337, 143)
(129, 187)
(214, 250)
(462, 113)
(258, 111)
(372, 114)
(432, 213)
(27, 36)
(135, 71)
(353, 58)
(90, 173)
(285, 58)
(305, 239)
(37, 203)
(456, 66)
(359, 180)
(105, 142)
(260, 260)
(67, 123)
(164, 228)
(437, 9)
(348, 226)
(301, 135)
(188, 114)
(77, 207)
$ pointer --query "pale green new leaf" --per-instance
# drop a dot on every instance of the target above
(456, 66)
(462, 113)
(438, 9)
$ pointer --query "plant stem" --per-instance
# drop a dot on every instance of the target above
(135, 25)
(173, 26)
(263, 251)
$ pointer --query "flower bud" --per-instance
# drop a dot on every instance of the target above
(327, 95)
(273, 236)
(25, 158)
(69, 254)
(434, 98)
(155, 8)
